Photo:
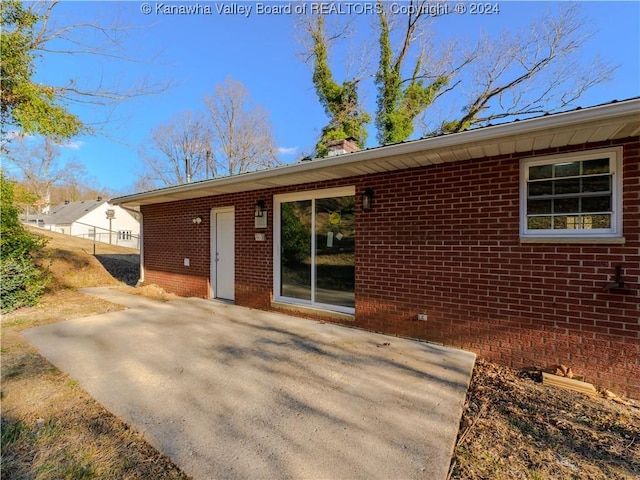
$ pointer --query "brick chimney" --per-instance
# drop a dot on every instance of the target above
(340, 147)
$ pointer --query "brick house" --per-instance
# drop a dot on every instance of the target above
(520, 242)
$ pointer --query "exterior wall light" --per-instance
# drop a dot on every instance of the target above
(367, 199)
(197, 220)
(259, 208)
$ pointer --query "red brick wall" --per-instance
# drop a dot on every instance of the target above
(449, 247)
(443, 240)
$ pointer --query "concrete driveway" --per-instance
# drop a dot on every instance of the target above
(233, 393)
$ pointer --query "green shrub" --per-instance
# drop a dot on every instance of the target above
(21, 281)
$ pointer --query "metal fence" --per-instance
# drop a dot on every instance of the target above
(124, 238)
(113, 238)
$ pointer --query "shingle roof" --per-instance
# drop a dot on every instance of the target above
(67, 213)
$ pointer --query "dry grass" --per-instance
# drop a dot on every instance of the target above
(79, 263)
(150, 291)
(51, 428)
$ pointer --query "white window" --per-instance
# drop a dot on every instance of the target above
(572, 196)
(124, 234)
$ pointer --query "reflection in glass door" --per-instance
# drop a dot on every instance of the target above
(335, 251)
(317, 257)
(295, 258)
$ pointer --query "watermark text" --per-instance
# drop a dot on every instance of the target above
(247, 9)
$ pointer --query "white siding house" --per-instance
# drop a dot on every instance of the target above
(89, 219)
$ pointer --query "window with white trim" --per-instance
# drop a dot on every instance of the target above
(576, 195)
(314, 249)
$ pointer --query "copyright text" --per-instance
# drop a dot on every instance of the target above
(246, 9)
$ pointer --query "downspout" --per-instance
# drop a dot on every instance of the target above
(140, 239)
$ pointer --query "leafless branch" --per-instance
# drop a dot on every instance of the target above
(529, 72)
(91, 39)
(521, 73)
(177, 151)
(241, 133)
(357, 57)
(38, 161)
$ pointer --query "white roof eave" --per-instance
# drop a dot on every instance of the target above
(625, 114)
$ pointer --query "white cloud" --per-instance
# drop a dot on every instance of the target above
(13, 134)
(29, 139)
(72, 145)
(287, 150)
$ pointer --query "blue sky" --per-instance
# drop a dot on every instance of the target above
(196, 52)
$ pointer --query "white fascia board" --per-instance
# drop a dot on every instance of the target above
(478, 136)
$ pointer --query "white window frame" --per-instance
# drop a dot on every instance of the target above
(292, 197)
(615, 164)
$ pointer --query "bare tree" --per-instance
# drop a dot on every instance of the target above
(241, 133)
(40, 168)
(78, 188)
(529, 72)
(177, 152)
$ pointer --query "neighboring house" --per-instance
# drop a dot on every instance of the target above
(89, 219)
(520, 242)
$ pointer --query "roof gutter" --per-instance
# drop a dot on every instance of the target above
(480, 135)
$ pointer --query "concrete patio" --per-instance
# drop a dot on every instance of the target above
(234, 393)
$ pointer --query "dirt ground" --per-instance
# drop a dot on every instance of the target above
(512, 427)
(516, 428)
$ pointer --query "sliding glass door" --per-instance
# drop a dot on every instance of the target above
(296, 255)
(315, 261)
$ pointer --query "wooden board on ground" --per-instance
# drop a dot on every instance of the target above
(569, 383)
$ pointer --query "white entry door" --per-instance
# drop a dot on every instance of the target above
(223, 253)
